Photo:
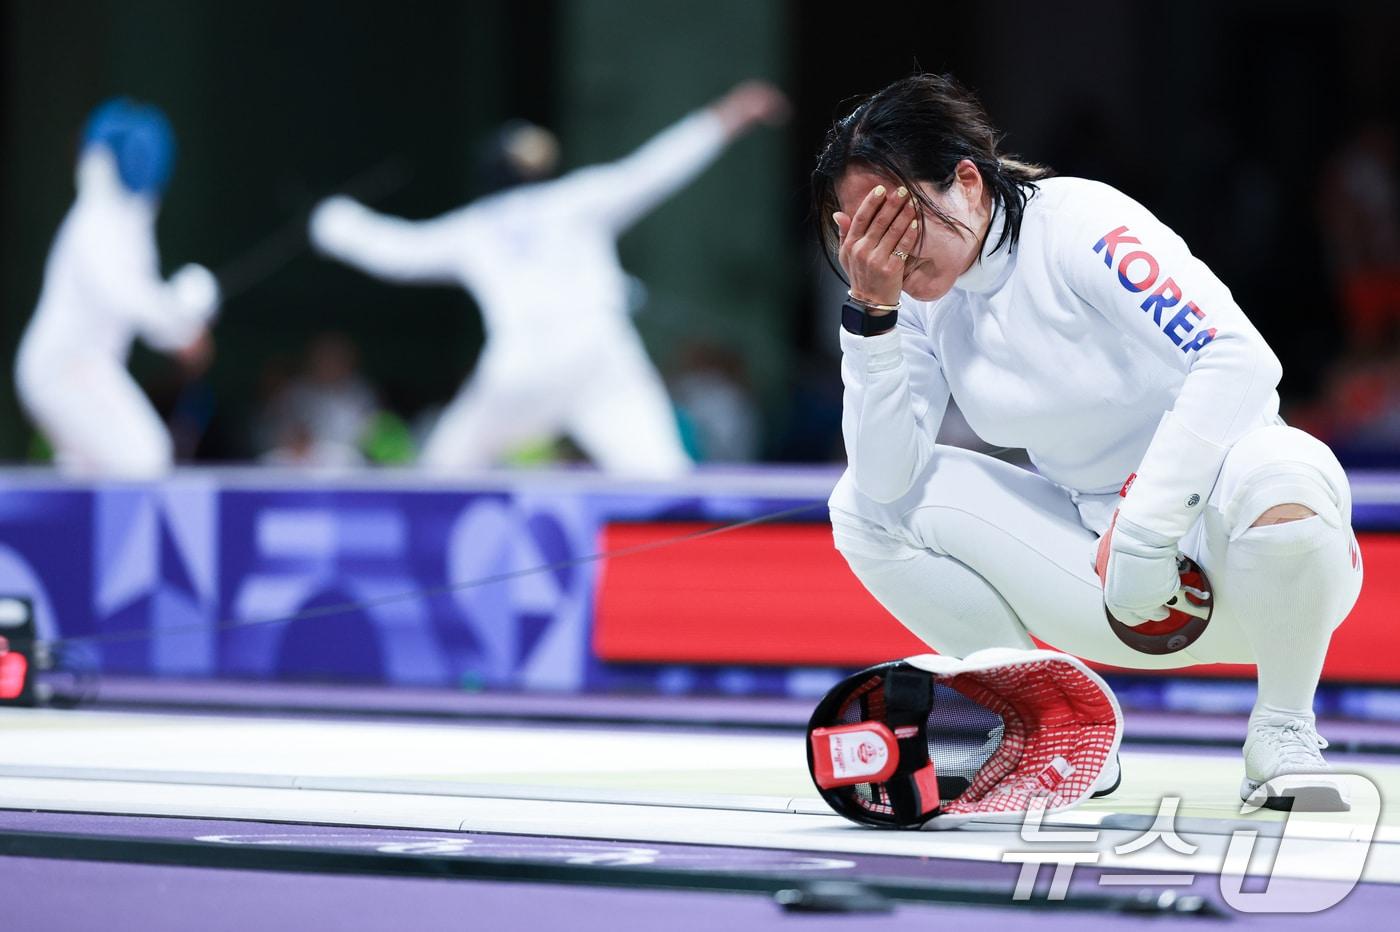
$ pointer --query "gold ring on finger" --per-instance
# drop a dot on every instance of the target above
(901, 253)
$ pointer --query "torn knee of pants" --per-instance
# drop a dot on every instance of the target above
(1283, 483)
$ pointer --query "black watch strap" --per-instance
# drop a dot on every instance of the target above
(862, 323)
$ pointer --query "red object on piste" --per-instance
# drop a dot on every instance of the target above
(14, 671)
(16, 663)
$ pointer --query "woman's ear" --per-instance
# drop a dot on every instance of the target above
(967, 177)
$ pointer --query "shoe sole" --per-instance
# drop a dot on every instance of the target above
(1295, 793)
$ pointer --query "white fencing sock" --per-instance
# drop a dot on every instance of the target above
(1292, 584)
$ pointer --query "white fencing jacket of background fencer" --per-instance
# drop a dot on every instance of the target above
(1099, 344)
(540, 259)
(102, 286)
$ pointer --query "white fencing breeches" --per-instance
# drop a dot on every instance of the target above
(96, 417)
(608, 397)
(981, 553)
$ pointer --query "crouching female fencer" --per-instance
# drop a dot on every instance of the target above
(1064, 318)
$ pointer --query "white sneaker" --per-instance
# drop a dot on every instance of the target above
(1284, 768)
(1109, 778)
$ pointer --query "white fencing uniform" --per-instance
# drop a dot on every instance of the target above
(561, 355)
(1101, 346)
(102, 288)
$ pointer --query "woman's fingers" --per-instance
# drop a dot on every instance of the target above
(908, 239)
(896, 231)
(895, 201)
(866, 235)
(843, 224)
(880, 225)
(866, 211)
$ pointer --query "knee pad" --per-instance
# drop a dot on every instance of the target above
(1280, 466)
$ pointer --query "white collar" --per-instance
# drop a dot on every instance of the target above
(990, 270)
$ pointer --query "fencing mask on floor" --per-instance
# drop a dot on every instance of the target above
(933, 741)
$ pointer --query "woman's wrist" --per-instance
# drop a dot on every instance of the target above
(871, 307)
(858, 319)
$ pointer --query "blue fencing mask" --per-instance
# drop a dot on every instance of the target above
(139, 138)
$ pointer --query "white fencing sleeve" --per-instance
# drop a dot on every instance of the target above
(387, 247)
(894, 402)
(122, 274)
(1141, 277)
(617, 194)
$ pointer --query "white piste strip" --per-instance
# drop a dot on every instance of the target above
(401, 787)
(1323, 829)
(562, 763)
(1311, 859)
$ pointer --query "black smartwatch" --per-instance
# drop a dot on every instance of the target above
(862, 323)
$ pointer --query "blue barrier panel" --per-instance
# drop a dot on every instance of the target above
(391, 577)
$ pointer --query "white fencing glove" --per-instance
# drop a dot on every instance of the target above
(1139, 572)
(333, 221)
(196, 291)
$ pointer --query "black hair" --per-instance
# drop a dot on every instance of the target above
(496, 171)
(917, 130)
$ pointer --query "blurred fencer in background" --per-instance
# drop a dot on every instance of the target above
(102, 288)
(561, 355)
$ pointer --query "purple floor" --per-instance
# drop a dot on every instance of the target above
(64, 896)
(564, 851)
(42, 894)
